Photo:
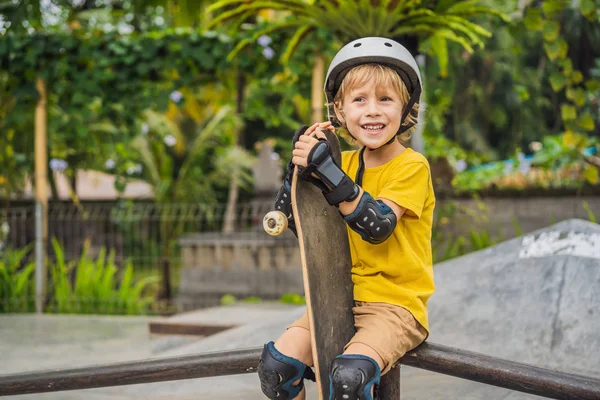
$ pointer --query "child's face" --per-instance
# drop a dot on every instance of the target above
(372, 114)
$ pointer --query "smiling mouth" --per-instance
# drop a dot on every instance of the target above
(373, 128)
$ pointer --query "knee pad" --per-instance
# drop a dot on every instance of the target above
(278, 372)
(352, 377)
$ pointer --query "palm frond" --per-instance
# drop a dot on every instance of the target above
(265, 31)
(447, 20)
(294, 42)
(235, 160)
(296, 7)
(206, 138)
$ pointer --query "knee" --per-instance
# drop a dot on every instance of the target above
(278, 374)
(353, 377)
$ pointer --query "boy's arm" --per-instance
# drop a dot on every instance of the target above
(374, 220)
(348, 207)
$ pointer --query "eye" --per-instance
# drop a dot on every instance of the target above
(386, 98)
(358, 99)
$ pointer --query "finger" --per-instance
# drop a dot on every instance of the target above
(300, 153)
(321, 134)
(306, 139)
(299, 161)
(301, 146)
(311, 129)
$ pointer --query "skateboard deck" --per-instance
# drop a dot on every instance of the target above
(326, 265)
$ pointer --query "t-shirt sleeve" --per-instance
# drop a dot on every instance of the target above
(408, 188)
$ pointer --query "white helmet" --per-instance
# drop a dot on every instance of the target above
(377, 50)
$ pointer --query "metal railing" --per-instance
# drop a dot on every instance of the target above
(429, 356)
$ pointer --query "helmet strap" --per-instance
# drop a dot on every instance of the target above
(414, 97)
(361, 166)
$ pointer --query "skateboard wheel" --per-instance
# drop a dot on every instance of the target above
(275, 223)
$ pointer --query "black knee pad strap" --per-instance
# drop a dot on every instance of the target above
(278, 372)
(352, 377)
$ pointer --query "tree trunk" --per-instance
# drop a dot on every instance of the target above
(229, 224)
(230, 216)
(53, 189)
(317, 89)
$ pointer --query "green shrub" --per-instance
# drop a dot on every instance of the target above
(89, 286)
(17, 291)
(228, 300)
(293, 298)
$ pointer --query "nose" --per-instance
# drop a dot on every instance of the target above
(372, 109)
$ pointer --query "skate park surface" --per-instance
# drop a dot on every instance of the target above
(532, 299)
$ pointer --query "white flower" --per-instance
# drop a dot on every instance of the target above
(460, 165)
(125, 29)
(59, 165)
(264, 40)
(5, 228)
(110, 164)
(520, 157)
(170, 140)
(145, 128)
(176, 96)
(535, 146)
(268, 53)
(274, 156)
(134, 169)
(508, 167)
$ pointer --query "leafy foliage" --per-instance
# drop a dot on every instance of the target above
(96, 287)
(348, 19)
(100, 85)
(16, 280)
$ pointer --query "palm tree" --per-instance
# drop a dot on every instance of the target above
(404, 20)
(178, 166)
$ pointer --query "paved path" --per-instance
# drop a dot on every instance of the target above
(48, 342)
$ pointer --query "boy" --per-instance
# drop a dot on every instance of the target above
(373, 88)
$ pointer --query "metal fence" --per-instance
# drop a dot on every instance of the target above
(140, 234)
(148, 238)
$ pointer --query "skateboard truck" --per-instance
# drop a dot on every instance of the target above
(275, 223)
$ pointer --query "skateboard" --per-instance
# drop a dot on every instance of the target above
(326, 265)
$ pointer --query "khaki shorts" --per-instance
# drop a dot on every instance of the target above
(388, 329)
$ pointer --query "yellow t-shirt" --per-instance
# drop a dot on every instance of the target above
(400, 270)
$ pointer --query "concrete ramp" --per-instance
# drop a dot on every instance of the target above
(533, 299)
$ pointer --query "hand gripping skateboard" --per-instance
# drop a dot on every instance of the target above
(326, 265)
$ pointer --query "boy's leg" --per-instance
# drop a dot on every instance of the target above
(384, 333)
(295, 342)
(290, 356)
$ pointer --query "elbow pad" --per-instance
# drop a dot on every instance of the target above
(373, 220)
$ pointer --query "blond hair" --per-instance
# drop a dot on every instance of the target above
(379, 76)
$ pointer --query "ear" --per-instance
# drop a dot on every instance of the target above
(339, 114)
